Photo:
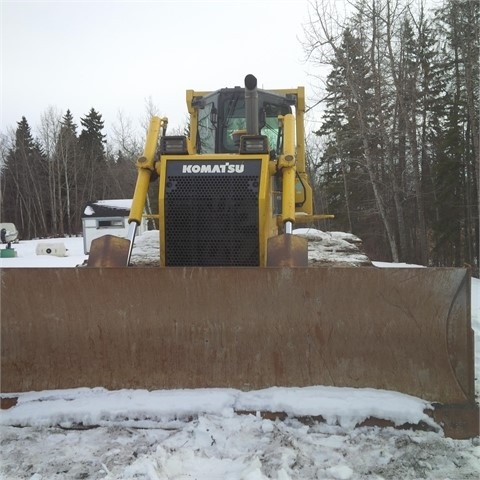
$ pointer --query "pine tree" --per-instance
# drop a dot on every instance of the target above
(352, 162)
(92, 139)
(66, 209)
(456, 229)
(24, 199)
(342, 176)
(92, 165)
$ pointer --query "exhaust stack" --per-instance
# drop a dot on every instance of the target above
(251, 104)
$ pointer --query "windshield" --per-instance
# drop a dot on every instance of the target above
(234, 120)
(206, 130)
(225, 115)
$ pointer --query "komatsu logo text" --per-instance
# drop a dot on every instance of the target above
(217, 168)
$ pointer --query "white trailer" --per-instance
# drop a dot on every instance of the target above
(104, 217)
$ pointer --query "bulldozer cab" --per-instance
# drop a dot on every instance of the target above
(222, 114)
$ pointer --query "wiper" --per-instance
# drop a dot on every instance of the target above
(232, 104)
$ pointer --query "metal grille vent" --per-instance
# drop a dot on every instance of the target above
(212, 220)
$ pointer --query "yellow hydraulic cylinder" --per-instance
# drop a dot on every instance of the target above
(288, 194)
(145, 166)
(286, 163)
(288, 157)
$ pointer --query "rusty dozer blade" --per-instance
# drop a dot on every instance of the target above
(109, 251)
(112, 251)
(287, 250)
(406, 330)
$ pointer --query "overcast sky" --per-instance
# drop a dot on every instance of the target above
(114, 55)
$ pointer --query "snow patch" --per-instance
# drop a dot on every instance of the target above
(346, 407)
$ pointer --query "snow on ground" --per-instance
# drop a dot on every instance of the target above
(333, 248)
(218, 433)
(324, 249)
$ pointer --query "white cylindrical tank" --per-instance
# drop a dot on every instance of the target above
(57, 249)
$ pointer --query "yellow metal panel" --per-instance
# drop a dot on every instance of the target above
(264, 209)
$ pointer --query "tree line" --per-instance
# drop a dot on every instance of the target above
(397, 154)
(46, 181)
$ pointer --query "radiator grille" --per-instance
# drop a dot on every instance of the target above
(212, 219)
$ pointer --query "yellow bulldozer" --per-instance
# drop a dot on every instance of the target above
(234, 302)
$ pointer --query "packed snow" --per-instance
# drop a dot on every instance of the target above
(92, 433)
(123, 204)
